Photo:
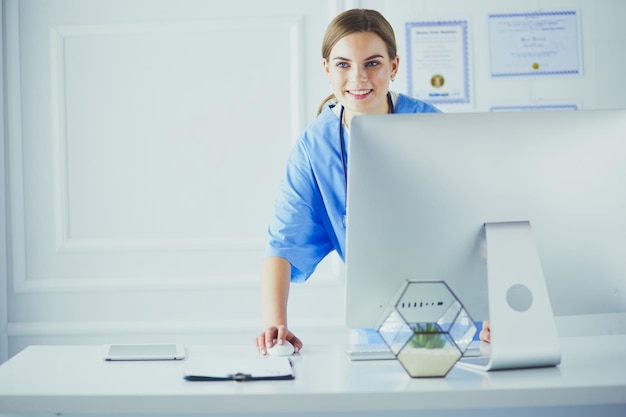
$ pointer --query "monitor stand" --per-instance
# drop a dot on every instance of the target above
(523, 331)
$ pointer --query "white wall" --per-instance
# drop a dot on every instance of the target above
(144, 141)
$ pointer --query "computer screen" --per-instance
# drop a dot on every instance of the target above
(421, 188)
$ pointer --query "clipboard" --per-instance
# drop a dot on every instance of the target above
(239, 369)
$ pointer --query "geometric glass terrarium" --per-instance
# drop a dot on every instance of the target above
(427, 328)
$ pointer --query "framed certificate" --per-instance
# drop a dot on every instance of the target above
(439, 61)
(535, 43)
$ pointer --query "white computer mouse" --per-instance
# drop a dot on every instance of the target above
(285, 349)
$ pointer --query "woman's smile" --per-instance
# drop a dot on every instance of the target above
(359, 94)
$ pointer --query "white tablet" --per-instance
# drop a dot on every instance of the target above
(144, 352)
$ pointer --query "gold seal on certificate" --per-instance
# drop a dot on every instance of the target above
(437, 81)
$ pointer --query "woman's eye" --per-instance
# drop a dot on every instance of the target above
(372, 64)
(342, 65)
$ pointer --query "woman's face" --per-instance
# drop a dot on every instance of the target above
(359, 69)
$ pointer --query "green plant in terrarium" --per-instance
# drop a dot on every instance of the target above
(427, 336)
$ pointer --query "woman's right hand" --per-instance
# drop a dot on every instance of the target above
(280, 333)
(275, 281)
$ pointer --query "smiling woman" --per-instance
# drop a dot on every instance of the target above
(359, 58)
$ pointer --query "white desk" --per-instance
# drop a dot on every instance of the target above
(75, 380)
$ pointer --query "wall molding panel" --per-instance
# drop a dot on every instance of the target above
(60, 36)
(56, 251)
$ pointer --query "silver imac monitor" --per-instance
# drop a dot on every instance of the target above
(522, 214)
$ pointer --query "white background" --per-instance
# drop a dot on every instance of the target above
(144, 141)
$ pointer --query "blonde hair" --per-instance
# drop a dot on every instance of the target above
(354, 21)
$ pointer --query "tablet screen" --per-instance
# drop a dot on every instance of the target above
(166, 351)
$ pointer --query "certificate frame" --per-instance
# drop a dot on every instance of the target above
(535, 107)
(538, 43)
(438, 60)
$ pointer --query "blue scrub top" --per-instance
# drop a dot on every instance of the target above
(309, 211)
